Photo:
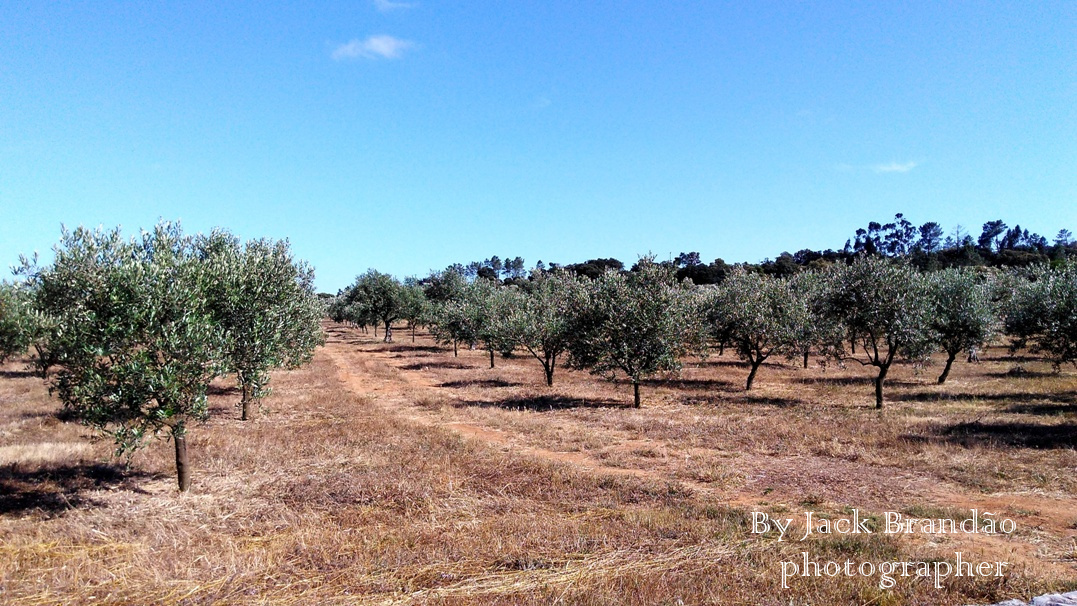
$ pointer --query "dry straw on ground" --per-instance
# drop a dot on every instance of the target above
(388, 474)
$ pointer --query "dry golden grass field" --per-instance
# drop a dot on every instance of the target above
(399, 474)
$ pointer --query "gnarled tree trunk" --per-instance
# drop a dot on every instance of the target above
(950, 356)
(879, 386)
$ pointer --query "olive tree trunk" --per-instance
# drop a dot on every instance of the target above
(950, 356)
(879, 386)
(183, 472)
(751, 374)
(245, 404)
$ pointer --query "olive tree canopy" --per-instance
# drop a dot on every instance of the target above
(886, 307)
(638, 323)
(263, 300)
(134, 336)
(1043, 313)
(544, 318)
(964, 315)
(761, 315)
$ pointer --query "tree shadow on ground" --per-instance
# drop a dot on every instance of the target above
(480, 383)
(741, 398)
(770, 401)
(1011, 358)
(1016, 435)
(19, 374)
(406, 347)
(222, 390)
(1046, 409)
(449, 365)
(60, 414)
(543, 403)
(1015, 373)
(691, 384)
(732, 361)
(854, 381)
(57, 488)
(226, 409)
(942, 396)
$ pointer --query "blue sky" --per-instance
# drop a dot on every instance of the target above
(409, 135)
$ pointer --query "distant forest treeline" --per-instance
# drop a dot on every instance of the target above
(927, 247)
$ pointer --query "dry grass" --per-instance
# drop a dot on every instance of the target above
(399, 474)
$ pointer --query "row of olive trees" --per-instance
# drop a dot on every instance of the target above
(379, 299)
(137, 328)
(637, 323)
(872, 312)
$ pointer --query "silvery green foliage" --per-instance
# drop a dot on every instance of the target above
(886, 307)
(812, 327)
(760, 316)
(487, 304)
(1042, 313)
(264, 302)
(18, 320)
(639, 323)
(133, 335)
(335, 308)
(415, 304)
(451, 322)
(543, 319)
(965, 315)
(444, 285)
(472, 316)
(376, 298)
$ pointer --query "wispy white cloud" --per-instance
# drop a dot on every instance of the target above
(895, 167)
(373, 47)
(879, 169)
(390, 5)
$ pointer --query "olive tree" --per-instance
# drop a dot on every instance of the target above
(16, 320)
(638, 323)
(24, 324)
(759, 314)
(964, 315)
(887, 307)
(263, 300)
(812, 327)
(543, 319)
(379, 298)
(135, 339)
(415, 305)
(488, 305)
(1042, 313)
(336, 308)
(473, 316)
(452, 321)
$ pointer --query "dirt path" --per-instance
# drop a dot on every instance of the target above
(1046, 524)
(387, 384)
